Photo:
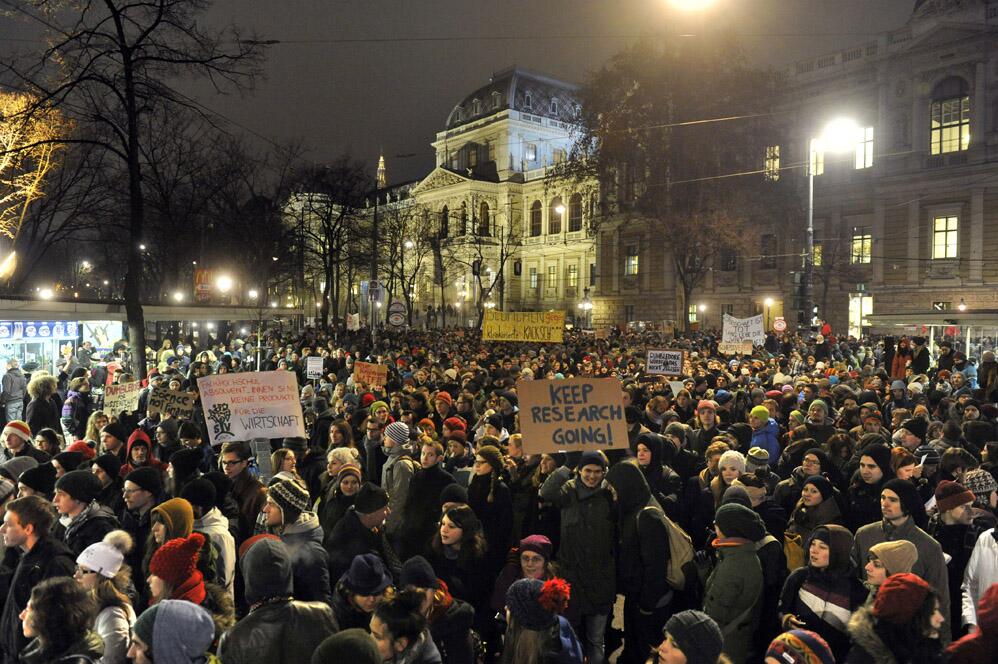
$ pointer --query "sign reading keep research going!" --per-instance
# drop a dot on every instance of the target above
(569, 415)
(743, 329)
(252, 404)
(664, 362)
(536, 326)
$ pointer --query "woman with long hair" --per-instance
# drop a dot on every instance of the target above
(338, 496)
(57, 619)
(536, 631)
(492, 502)
(457, 551)
(902, 626)
(49, 441)
(400, 631)
(284, 465)
(45, 407)
(341, 435)
(101, 569)
(450, 620)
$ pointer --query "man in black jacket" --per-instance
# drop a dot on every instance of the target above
(75, 497)
(361, 530)
(26, 525)
(421, 511)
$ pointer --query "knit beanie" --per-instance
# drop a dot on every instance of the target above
(760, 413)
(83, 448)
(346, 470)
(819, 404)
(736, 520)
(250, 541)
(397, 432)
(493, 456)
(454, 493)
(899, 598)
(418, 573)
(706, 404)
(351, 645)
(69, 461)
(950, 495)
(176, 561)
(18, 428)
(444, 396)
(7, 488)
(535, 604)
(455, 424)
(370, 498)
(376, 406)
(81, 485)
(821, 483)
(911, 502)
(118, 430)
(592, 458)
(538, 544)
(732, 459)
(102, 558)
(291, 497)
(696, 635)
(796, 418)
(367, 575)
(177, 515)
(200, 493)
(916, 426)
(736, 494)
(981, 483)
(742, 433)
(930, 455)
(839, 540)
(40, 479)
(800, 646)
(109, 463)
(186, 461)
(756, 459)
(16, 466)
(146, 478)
(881, 455)
(897, 555)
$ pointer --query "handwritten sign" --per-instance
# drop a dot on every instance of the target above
(177, 404)
(539, 327)
(664, 362)
(313, 367)
(737, 348)
(573, 414)
(122, 398)
(353, 322)
(251, 404)
(742, 329)
(369, 373)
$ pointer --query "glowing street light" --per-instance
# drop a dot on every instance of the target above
(691, 5)
(142, 247)
(560, 209)
(46, 294)
(178, 296)
(273, 304)
(253, 293)
(962, 306)
(224, 283)
(8, 265)
(409, 244)
(210, 326)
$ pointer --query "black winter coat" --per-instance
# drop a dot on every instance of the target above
(285, 632)
(421, 511)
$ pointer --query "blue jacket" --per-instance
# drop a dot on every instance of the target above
(768, 438)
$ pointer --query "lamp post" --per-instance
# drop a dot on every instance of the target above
(586, 306)
(838, 136)
(769, 303)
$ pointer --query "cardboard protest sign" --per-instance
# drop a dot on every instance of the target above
(574, 414)
(251, 404)
(123, 397)
(676, 386)
(313, 367)
(664, 362)
(536, 326)
(178, 404)
(369, 373)
(736, 348)
(742, 329)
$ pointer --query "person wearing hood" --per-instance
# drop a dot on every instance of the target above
(450, 619)
(82, 520)
(817, 507)
(734, 589)
(140, 454)
(279, 628)
(822, 595)
(396, 474)
(58, 618)
(980, 647)
(788, 491)
(172, 632)
(642, 547)
(666, 486)
(903, 625)
(288, 513)
(901, 509)
(864, 491)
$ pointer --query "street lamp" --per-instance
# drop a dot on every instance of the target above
(178, 296)
(586, 306)
(253, 293)
(962, 306)
(840, 135)
(224, 283)
(46, 294)
(409, 244)
(768, 302)
(691, 5)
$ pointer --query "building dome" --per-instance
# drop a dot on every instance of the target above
(520, 90)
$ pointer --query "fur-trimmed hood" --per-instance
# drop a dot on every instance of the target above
(864, 636)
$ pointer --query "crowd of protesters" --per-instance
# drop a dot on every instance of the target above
(822, 500)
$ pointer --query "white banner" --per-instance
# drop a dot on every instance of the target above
(353, 322)
(742, 329)
(251, 404)
(664, 362)
(313, 367)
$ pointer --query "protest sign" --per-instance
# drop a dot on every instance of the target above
(177, 404)
(251, 404)
(664, 362)
(353, 322)
(369, 373)
(313, 367)
(536, 326)
(736, 348)
(603, 333)
(740, 329)
(676, 386)
(574, 414)
(123, 397)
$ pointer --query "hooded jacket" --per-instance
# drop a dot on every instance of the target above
(869, 648)
(666, 486)
(215, 527)
(309, 560)
(277, 629)
(182, 633)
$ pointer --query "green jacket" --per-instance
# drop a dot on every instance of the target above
(733, 597)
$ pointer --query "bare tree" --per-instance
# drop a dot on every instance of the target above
(107, 65)
(407, 235)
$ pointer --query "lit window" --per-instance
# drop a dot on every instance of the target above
(816, 256)
(944, 237)
(558, 155)
(950, 125)
(573, 276)
(535, 219)
(533, 278)
(772, 170)
(552, 281)
(693, 313)
(631, 261)
(575, 213)
(554, 216)
(530, 153)
(861, 249)
(864, 149)
(817, 160)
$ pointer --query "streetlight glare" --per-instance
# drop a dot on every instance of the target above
(409, 244)
(840, 135)
(691, 5)
(8, 265)
(768, 301)
(178, 296)
(46, 294)
(224, 283)
(560, 209)
(253, 293)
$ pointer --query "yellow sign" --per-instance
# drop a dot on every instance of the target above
(536, 326)
(368, 373)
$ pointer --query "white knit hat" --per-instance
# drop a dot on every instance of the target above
(102, 558)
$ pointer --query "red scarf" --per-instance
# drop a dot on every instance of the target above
(192, 589)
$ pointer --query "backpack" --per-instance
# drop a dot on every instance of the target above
(680, 551)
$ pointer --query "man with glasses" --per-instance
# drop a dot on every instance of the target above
(143, 490)
(26, 525)
(372, 442)
(247, 490)
(788, 491)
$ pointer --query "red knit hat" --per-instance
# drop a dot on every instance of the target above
(245, 546)
(366, 399)
(84, 449)
(19, 428)
(176, 561)
(950, 495)
(455, 424)
(900, 598)
(445, 396)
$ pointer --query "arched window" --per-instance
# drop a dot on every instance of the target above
(463, 226)
(484, 220)
(444, 221)
(949, 116)
(536, 226)
(555, 213)
(575, 213)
